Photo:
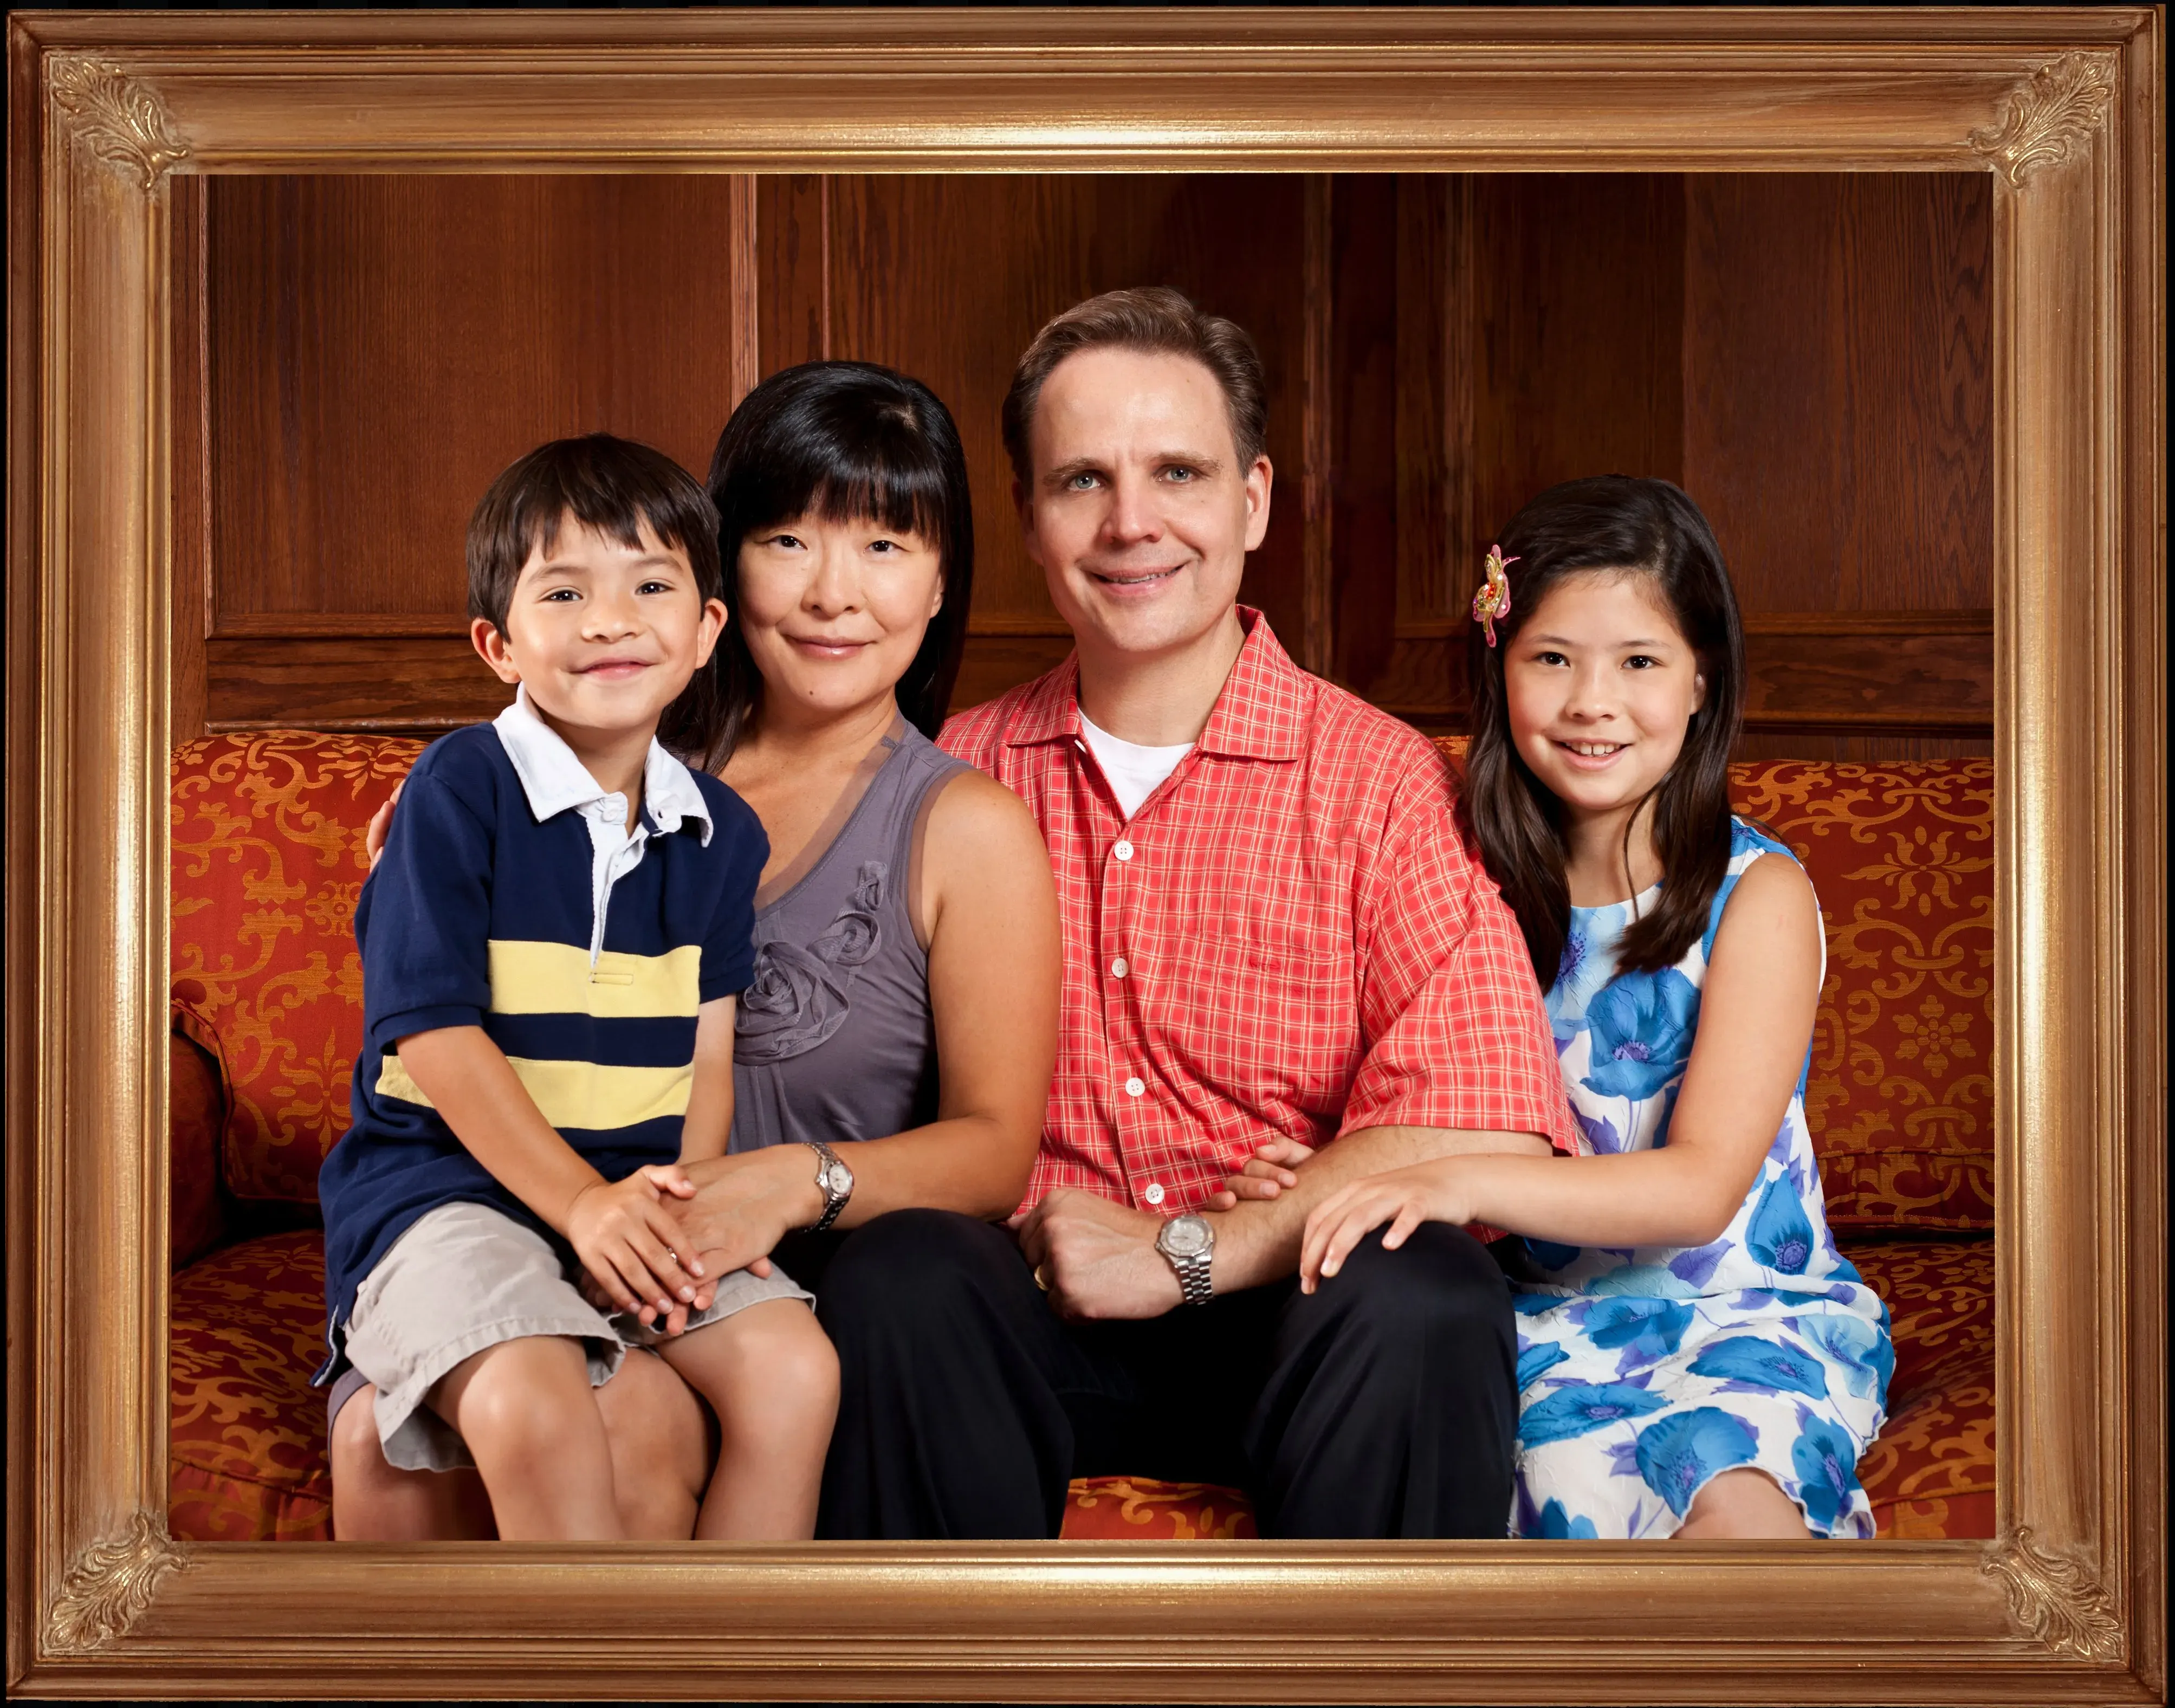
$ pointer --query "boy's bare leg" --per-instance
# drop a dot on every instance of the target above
(373, 1502)
(530, 1417)
(660, 1448)
(771, 1375)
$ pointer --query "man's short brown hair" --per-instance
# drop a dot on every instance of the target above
(614, 486)
(1152, 318)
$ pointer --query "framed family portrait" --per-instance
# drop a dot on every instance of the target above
(1480, 249)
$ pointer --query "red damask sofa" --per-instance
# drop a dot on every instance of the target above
(267, 996)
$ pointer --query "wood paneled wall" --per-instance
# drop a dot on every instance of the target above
(1808, 354)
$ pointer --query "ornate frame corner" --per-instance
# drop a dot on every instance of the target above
(2069, 1605)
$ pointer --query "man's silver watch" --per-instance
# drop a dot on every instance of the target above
(1188, 1244)
(835, 1178)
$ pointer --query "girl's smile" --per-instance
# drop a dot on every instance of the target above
(1601, 687)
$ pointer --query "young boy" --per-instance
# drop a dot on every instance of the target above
(551, 946)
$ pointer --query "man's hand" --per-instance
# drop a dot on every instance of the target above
(628, 1242)
(1267, 1175)
(1098, 1258)
(742, 1206)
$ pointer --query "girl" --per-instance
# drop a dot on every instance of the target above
(1695, 1358)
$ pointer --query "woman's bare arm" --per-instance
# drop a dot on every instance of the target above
(992, 909)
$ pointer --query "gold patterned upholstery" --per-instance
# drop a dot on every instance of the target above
(268, 864)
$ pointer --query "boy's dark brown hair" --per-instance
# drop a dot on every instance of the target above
(614, 486)
(1153, 319)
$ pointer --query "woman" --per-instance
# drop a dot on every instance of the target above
(905, 997)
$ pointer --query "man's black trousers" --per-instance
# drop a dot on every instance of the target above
(1383, 1405)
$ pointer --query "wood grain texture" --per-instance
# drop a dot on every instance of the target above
(1366, 453)
(189, 355)
(381, 347)
(1838, 386)
(390, 684)
(949, 277)
(1577, 297)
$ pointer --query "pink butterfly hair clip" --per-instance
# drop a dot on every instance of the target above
(1493, 599)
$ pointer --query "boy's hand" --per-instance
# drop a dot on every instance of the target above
(1267, 1173)
(1404, 1198)
(380, 825)
(625, 1237)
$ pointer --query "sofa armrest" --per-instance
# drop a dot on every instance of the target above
(195, 1112)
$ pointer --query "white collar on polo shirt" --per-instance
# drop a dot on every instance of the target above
(555, 781)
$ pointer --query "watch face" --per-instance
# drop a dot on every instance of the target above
(1186, 1236)
(837, 1179)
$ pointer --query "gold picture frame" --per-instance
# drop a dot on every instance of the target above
(2063, 108)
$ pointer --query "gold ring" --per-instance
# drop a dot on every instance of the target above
(1042, 1277)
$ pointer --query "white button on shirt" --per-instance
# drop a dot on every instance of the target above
(1136, 1085)
(1153, 1192)
(1120, 967)
(1124, 850)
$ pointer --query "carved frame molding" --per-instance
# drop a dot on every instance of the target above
(2063, 107)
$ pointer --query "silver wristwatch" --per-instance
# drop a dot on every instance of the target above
(1188, 1244)
(836, 1181)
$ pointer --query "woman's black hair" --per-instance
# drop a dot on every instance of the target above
(841, 441)
(1632, 526)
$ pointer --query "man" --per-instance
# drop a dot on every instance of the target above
(1273, 932)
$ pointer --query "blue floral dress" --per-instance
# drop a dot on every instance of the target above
(1644, 1371)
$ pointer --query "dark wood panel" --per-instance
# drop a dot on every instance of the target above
(1576, 285)
(191, 529)
(1366, 449)
(948, 276)
(1902, 673)
(380, 347)
(415, 683)
(1838, 400)
(1800, 744)
(793, 291)
(992, 664)
(1908, 674)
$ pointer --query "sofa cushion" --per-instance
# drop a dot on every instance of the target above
(1900, 1097)
(1931, 1471)
(1140, 1509)
(248, 1455)
(194, 1114)
(267, 862)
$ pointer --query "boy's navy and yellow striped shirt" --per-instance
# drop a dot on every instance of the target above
(511, 896)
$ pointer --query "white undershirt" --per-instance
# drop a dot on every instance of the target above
(1134, 772)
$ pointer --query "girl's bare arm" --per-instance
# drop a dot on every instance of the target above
(1756, 1012)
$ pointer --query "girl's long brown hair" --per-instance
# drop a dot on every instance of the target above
(1634, 526)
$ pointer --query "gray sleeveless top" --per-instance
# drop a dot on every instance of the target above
(835, 1039)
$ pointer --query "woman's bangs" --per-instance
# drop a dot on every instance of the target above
(906, 496)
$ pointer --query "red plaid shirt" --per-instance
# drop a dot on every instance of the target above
(1290, 939)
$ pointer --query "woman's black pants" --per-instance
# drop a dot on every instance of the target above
(1383, 1405)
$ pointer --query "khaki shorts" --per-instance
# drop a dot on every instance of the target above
(467, 1277)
